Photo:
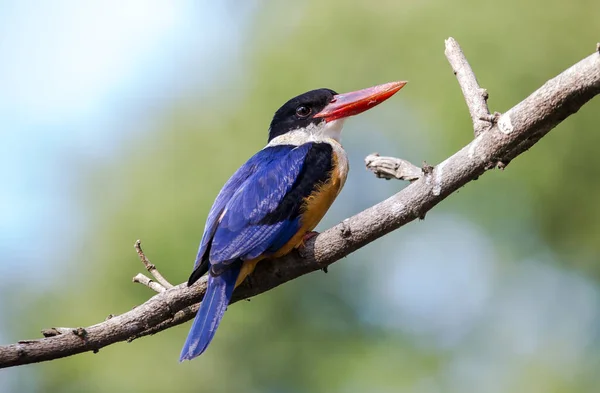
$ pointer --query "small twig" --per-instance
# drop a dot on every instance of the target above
(150, 267)
(475, 96)
(156, 287)
(392, 168)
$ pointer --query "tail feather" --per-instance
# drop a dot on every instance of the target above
(213, 306)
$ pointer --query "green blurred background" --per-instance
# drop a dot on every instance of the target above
(122, 120)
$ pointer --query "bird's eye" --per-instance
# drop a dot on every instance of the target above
(303, 111)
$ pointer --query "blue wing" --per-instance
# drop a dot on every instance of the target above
(258, 209)
(259, 160)
(245, 230)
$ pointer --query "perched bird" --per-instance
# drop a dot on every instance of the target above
(276, 198)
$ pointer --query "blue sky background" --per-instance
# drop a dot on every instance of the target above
(77, 79)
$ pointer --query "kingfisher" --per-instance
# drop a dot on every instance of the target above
(272, 203)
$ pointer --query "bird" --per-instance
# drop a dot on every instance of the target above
(271, 204)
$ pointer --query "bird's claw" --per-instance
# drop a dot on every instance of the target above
(302, 246)
(309, 235)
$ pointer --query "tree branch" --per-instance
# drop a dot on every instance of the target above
(511, 135)
(146, 281)
(475, 96)
(392, 168)
(151, 269)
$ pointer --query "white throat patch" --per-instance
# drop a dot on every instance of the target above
(312, 133)
(333, 129)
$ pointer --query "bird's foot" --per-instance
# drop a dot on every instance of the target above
(302, 246)
(309, 235)
(305, 238)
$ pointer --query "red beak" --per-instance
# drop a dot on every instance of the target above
(350, 104)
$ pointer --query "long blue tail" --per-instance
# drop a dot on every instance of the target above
(213, 306)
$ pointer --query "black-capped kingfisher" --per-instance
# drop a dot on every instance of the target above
(276, 198)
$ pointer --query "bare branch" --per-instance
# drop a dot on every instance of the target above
(392, 168)
(150, 267)
(475, 96)
(515, 131)
(141, 279)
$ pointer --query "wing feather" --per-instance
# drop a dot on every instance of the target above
(258, 209)
(240, 233)
(233, 185)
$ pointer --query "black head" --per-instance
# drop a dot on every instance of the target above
(299, 111)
